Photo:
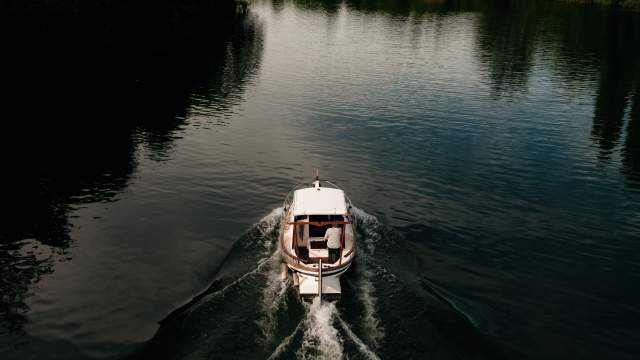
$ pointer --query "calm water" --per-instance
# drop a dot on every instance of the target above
(492, 150)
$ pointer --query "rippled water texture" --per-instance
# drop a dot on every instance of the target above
(492, 150)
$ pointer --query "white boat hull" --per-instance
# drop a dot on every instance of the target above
(308, 282)
(309, 286)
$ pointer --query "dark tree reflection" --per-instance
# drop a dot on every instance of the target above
(507, 39)
(329, 6)
(586, 44)
(82, 92)
(631, 152)
(619, 60)
(406, 8)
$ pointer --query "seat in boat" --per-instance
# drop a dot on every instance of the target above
(332, 236)
(318, 249)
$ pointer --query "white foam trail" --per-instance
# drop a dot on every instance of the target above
(321, 339)
(361, 345)
(231, 284)
(371, 227)
(272, 298)
(372, 325)
(274, 289)
(266, 226)
(285, 342)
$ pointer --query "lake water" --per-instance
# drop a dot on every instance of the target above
(492, 150)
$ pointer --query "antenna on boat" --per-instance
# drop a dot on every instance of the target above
(317, 174)
(317, 182)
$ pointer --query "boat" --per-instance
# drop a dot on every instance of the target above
(317, 239)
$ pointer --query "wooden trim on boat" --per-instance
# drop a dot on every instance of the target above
(315, 270)
(295, 261)
(350, 251)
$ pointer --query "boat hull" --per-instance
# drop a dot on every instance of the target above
(317, 239)
(325, 273)
(309, 286)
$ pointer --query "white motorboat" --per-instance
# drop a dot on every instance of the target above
(317, 238)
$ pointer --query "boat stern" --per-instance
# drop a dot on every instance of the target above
(310, 286)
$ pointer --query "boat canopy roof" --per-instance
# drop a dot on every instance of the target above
(319, 201)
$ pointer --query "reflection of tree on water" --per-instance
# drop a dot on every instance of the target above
(408, 8)
(208, 73)
(583, 41)
(619, 62)
(80, 108)
(617, 93)
(631, 152)
(329, 6)
(506, 40)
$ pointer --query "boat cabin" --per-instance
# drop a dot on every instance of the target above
(320, 216)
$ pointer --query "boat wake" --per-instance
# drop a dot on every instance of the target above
(249, 312)
(272, 299)
(324, 333)
(362, 347)
(286, 342)
(263, 236)
(321, 339)
(266, 230)
(370, 234)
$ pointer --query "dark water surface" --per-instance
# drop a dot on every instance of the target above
(492, 150)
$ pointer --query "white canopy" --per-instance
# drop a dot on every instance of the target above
(319, 201)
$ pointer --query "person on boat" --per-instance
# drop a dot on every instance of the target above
(332, 236)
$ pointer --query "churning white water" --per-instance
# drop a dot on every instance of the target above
(370, 227)
(321, 339)
(266, 227)
(323, 331)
